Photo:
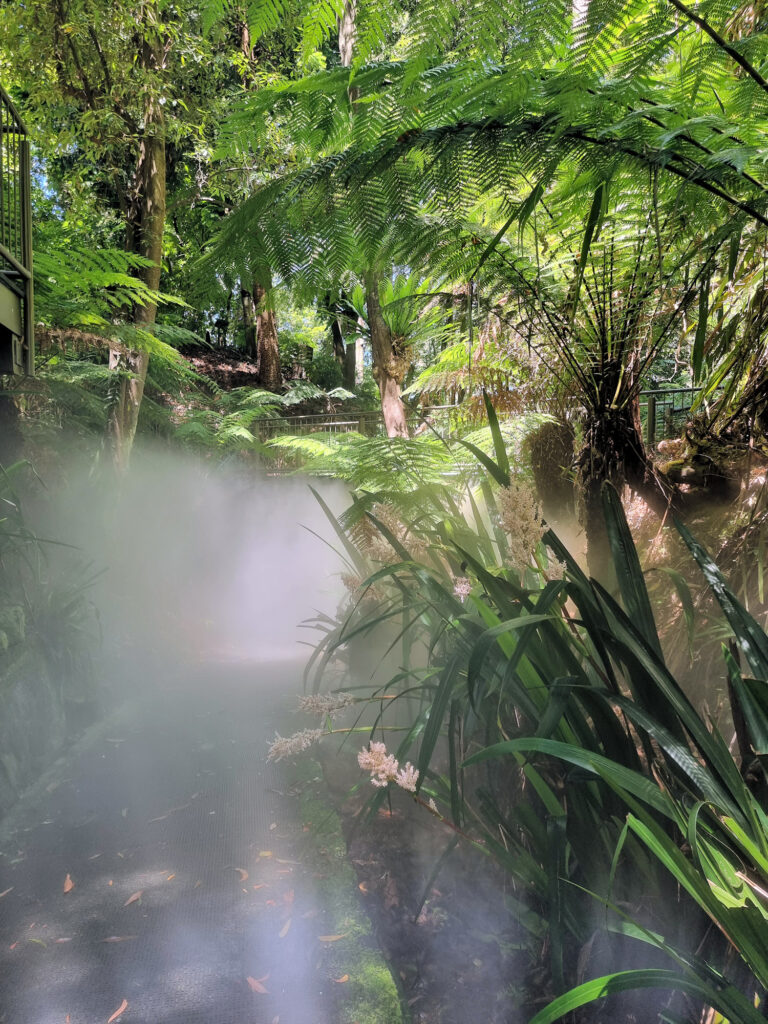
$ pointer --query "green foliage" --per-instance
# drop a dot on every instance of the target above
(548, 729)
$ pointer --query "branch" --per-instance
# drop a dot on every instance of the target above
(743, 63)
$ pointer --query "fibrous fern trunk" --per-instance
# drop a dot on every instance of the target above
(268, 353)
(389, 363)
(613, 452)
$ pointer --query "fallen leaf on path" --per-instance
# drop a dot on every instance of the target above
(281, 861)
(69, 885)
(363, 887)
(256, 984)
(342, 980)
(273, 826)
(5, 891)
(110, 882)
(67, 1019)
(63, 939)
(39, 942)
(134, 898)
(243, 874)
(275, 1020)
(13, 945)
(261, 885)
(95, 856)
(197, 884)
(332, 938)
(265, 853)
(284, 930)
(289, 897)
(119, 938)
(119, 1011)
(170, 877)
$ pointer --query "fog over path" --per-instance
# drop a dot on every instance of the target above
(174, 800)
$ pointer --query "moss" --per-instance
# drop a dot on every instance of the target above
(370, 996)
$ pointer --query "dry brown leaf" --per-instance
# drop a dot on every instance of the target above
(69, 885)
(120, 1010)
(243, 874)
(256, 984)
(332, 938)
(363, 887)
(134, 898)
(261, 885)
(67, 1019)
(170, 877)
(5, 891)
(13, 945)
(119, 938)
(284, 930)
(265, 853)
(342, 980)
(289, 897)
(61, 940)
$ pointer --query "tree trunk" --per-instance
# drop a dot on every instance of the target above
(337, 336)
(613, 451)
(389, 365)
(251, 347)
(268, 357)
(348, 33)
(353, 364)
(144, 235)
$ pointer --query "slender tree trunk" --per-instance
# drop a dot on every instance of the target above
(268, 358)
(144, 235)
(353, 364)
(389, 365)
(249, 323)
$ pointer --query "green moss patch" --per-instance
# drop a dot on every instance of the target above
(368, 995)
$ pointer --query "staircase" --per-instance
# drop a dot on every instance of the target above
(17, 339)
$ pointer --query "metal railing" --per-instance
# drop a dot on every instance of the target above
(665, 411)
(370, 422)
(15, 240)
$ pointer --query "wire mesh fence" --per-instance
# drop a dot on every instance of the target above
(442, 419)
(663, 412)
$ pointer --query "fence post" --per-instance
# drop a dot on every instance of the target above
(650, 422)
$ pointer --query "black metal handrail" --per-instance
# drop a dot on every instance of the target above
(16, 218)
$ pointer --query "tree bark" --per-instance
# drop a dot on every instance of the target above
(389, 364)
(353, 364)
(613, 451)
(268, 353)
(144, 235)
(250, 346)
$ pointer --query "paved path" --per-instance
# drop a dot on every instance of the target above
(174, 800)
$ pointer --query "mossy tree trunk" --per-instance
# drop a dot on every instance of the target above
(144, 235)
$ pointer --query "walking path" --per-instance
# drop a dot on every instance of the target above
(155, 869)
